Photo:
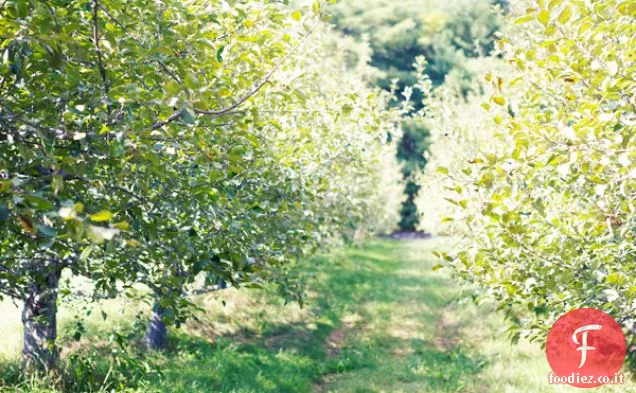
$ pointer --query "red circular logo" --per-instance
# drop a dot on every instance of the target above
(585, 348)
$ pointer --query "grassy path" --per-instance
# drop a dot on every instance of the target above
(377, 320)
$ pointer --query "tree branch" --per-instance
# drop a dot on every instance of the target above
(100, 62)
(265, 79)
(61, 134)
(169, 120)
(251, 92)
(205, 290)
(169, 72)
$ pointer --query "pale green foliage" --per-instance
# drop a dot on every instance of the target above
(461, 131)
(385, 215)
(555, 222)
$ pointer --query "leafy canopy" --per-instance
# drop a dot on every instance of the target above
(551, 204)
(156, 141)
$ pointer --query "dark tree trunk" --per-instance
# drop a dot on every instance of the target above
(40, 324)
(156, 334)
(409, 215)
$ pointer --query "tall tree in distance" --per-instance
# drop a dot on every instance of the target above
(411, 149)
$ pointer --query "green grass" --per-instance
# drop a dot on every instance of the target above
(377, 319)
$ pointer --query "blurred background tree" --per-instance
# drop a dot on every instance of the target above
(446, 32)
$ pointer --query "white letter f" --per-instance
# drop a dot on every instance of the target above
(584, 348)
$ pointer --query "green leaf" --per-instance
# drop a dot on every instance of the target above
(57, 182)
(627, 8)
(39, 203)
(124, 226)
(614, 278)
(544, 17)
(219, 54)
(499, 100)
(442, 169)
(565, 15)
(554, 3)
(173, 88)
(22, 7)
(86, 252)
(524, 19)
(103, 215)
(237, 150)
(188, 116)
(46, 230)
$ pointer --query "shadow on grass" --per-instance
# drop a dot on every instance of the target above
(296, 363)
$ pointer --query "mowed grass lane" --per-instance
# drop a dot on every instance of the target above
(377, 319)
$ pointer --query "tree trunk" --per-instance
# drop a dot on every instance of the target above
(40, 324)
(156, 335)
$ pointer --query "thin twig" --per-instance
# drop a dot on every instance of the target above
(169, 72)
(169, 120)
(98, 49)
(61, 134)
(267, 77)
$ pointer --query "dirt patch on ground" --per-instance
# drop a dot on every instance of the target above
(290, 340)
(447, 332)
(406, 329)
(333, 346)
(401, 352)
(321, 386)
(335, 340)
(334, 343)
